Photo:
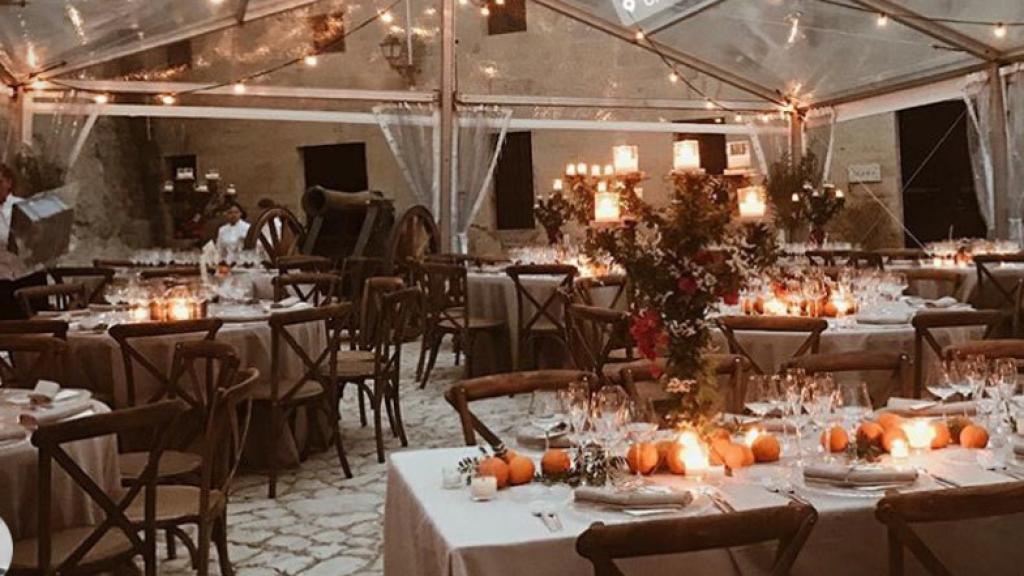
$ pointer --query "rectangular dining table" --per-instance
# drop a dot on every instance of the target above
(436, 532)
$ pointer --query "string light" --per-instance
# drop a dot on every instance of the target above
(882, 21)
(499, 2)
(794, 28)
(485, 11)
(101, 98)
(387, 18)
(310, 60)
(999, 30)
(738, 119)
(168, 99)
(673, 77)
(639, 35)
(709, 105)
(238, 88)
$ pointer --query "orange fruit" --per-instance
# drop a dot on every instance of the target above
(735, 456)
(555, 462)
(665, 447)
(496, 467)
(835, 439)
(720, 433)
(674, 460)
(956, 426)
(716, 455)
(748, 455)
(870, 433)
(642, 457)
(520, 470)
(889, 420)
(890, 435)
(830, 309)
(766, 448)
(942, 436)
(509, 456)
(973, 436)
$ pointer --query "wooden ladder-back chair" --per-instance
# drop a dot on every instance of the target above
(169, 272)
(447, 311)
(314, 389)
(861, 260)
(899, 512)
(109, 545)
(925, 323)
(949, 281)
(597, 337)
(51, 298)
(303, 263)
(461, 395)
(316, 288)
(990, 349)
(826, 257)
(893, 255)
(585, 288)
(214, 393)
(277, 232)
(176, 463)
(1003, 290)
(545, 321)
(788, 525)
(94, 278)
(813, 327)
(641, 379)
(896, 363)
(31, 358)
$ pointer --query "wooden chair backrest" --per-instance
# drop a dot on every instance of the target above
(414, 236)
(861, 259)
(25, 359)
(460, 395)
(550, 308)
(445, 288)
(113, 263)
(991, 349)
(951, 279)
(316, 288)
(354, 272)
(95, 278)
(127, 337)
(861, 361)
(826, 257)
(984, 264)
(734, 367)
(369, 311)
(45, 326)
(895, 254)
(50, 440)
(585, 287)
(731, 325)
(788, 525)
(57, 297)
(168, 272)
(283, 235)
(396, 314)
(925, 322)
(315, 363)
(594, 333)
(303, 263)
(900, 511)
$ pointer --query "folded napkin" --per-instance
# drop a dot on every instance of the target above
(893, 319)
(944, 302)
(55, 413)
(530, 437)
(632, 499)
(845, 476)
(44, 392)
(286, 302)
(912, 407)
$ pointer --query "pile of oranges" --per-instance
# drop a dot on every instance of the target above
(512, 469)
(889, 428)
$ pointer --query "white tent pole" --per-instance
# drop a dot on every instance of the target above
(27, 118)
(90, 122)
(1000, 153)
(610, 102)
(448, 80)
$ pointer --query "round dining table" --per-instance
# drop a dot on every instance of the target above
(19, 465)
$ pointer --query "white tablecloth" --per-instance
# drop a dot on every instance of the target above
(19, 464)
(430, 531)
(989, 297)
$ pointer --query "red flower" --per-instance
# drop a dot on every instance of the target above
(687, 285)
(645, 329)
(656, 370)
(703, 257)
(731, 298)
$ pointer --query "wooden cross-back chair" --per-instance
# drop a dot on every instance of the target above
(813, 327)
(896, 363)
(206, 377)
(316, 288)
(447, 312)
(277, 232)
(462, 394)
(586, 287)
(899, 512)
(925, 323)
(414, 236)
(38, 326)
(861, 259)
(597, 337)
(789, 525)
(395, 306)
(26, 358)
(111, 544)
(545, 321)
(51, 297)
(314, 389)
(948, 281)
(94, 278)
(355, 270)
(990, 349)
(168, 272)
(985, 264)
(826, 257)
(892, 255)
(642, 379)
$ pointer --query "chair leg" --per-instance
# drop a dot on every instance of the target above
(427, 338)
(334, 414)
(220, 537)
(362, 404)
(398, 414)
(390, 411)
(203, 554)
(378, 396)
(172, 549)
(275, 429)
(435, 348)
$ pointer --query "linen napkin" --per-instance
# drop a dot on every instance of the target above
(944, 302)
(286, 303)
(44, 392)
(616, 499)
(891, 319)
(530, 437)
(55, 412)
(911, 407)
(843, 475)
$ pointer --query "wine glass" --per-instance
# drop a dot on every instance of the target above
(608, 414)
(853, 403)
(577, 399)
(546, 414)
(942, 387)
(641, 425)
(759, 395)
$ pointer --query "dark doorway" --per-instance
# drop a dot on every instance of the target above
(336, 166)
(513, 182)
(713, 158)
(938, 183)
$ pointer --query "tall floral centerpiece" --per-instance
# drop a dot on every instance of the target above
(799, 195)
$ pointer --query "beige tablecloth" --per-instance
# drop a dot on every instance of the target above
(19, 501)
(988, 297)
(430, 531)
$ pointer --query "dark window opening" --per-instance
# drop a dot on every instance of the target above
(173, 163)
(328, 32)
(513, 183)
(506, 18)
(336, 166)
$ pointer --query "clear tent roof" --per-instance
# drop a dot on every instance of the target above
(815, 49)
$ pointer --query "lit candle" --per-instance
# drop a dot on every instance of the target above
(178, 309)
(692, 453)
(626, 159)
(606, 204)
(570, 169)
(795, 197)
(751, 436)
(595, 170)
(581, 169)
(752, 202)
(483, 488)
(686, 156)
(839, 193)
(139, 312)
(557, 185)
(609, 170)
(920, 434)
(775, 307)
(898, 450)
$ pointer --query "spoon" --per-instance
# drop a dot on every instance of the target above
(543, 511)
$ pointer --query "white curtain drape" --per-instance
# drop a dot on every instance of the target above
(977, 98)
(819, 138)
(1015, 135)
(410, 133)
(478, 142)
(769, 146)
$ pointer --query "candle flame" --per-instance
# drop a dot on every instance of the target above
(920, 434)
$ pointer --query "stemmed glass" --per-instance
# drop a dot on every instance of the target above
(792, 392)
(943, 387)
(546, 413)
(814, 290)
(761, 395)
(576, 398)
(817, 398)
(641, 425)
(607, 416)
(853, 403)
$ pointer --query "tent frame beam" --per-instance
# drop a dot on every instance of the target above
(623, 103)
(927, 27)
(686, 15)
(669, 53)
(254, 90)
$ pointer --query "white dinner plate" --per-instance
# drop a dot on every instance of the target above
(875, 491)
(20, 397)
(586, 513)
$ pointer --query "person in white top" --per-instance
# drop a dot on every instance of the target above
(7, 202)
(231, 236)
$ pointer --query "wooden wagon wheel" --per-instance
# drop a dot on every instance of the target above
(277, 231)
(414, 236)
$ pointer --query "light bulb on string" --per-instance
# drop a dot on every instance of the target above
(794, 28)
(499, 2)
(709, 105)
(101, 99)
(168, 99)
(882, 21)
(485, 11)
(37, 84)
(310, 60)
(387, 18)
(673, 78)
(639, 35)
(738, 119)
(1000, 30)
(238, 88)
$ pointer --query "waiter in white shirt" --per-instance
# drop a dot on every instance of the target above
(231, 236)
(7, 202)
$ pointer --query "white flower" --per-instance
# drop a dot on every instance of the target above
(680, 386)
